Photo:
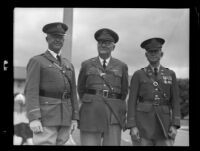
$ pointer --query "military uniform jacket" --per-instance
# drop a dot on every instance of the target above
(43, 74)
(153, 120)
(93, 114)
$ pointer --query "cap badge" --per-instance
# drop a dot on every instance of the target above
(59, 27)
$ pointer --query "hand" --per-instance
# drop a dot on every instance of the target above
(73, 126)
(172, 132)
(134, 132)
(36, 126)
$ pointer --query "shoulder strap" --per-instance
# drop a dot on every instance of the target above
(58, 67)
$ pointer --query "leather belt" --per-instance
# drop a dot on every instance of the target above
(64, 95)
(105, 93)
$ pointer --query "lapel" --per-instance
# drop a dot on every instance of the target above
(50, 57)
(96, 62)
(111, 64)
(149, 71)
(160, 72)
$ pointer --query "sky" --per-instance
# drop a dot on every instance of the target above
(133, 25)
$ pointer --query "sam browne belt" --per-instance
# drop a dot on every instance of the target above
(104, 93)
(64, 95)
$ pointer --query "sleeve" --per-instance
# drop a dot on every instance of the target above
(32, 89)
(124, 84)
(75, 106)
(132, 100)
(175, 102)
(82, 81)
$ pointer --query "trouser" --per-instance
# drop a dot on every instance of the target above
(148, 142)
(110, 138)
(52, 135)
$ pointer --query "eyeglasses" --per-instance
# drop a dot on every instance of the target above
(106, 43)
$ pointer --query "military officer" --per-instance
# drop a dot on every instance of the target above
(103, 87)
(50, 91)
(153, 105)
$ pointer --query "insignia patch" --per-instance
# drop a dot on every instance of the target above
(59, 27)
(150, 73)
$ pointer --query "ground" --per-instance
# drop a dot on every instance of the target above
(182, 138)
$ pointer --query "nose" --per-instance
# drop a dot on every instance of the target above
(103, 44)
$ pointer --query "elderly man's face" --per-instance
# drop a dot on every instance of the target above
(154, 55)
(105, 47)
(55, 42)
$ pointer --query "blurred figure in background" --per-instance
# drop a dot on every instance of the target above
(22, 132)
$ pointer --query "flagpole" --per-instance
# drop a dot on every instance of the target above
(68, 20)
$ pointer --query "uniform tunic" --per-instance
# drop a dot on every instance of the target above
(93, 112)
(153, 107)
(44, 75)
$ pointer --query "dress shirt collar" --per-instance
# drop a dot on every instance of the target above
(53, 53)
(107, 60)
(152, 68)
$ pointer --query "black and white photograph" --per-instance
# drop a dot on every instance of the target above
(101, 76)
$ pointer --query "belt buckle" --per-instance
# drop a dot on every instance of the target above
(105, 93)
(64, 95)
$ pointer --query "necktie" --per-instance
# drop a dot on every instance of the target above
(156, 71)
(59, 59)
(104, 64)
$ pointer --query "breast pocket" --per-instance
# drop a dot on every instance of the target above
(145, 87)
(92, 71)
(49, 73)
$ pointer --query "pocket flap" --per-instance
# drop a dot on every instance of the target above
(165, 109)
(47, 100)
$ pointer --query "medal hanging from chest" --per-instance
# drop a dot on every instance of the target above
(167, 79)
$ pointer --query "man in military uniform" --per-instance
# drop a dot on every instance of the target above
(50, 91)
(103, 87)
(153, 104)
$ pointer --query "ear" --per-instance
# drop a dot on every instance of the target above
(162, 53)
(146, 54)
(46, 38)
(113, 47)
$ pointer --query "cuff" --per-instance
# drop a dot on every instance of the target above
(34, 114)
(130, 123)
(176, 121)
(75, 115)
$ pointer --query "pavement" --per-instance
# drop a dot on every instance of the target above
(182, 138)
